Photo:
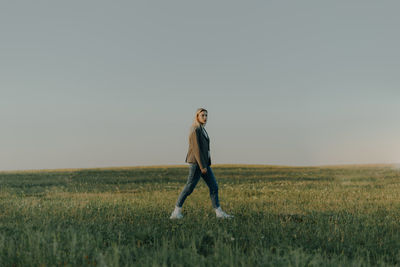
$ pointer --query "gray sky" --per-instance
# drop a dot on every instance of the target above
(107, 83)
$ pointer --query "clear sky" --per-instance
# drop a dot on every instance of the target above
(116, 83)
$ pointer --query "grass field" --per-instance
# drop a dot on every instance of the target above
(284, 216)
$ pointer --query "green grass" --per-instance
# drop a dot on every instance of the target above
(289, 216)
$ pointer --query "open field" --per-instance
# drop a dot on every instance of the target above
(313, 216)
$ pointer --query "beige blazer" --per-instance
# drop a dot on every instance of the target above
(199, 147)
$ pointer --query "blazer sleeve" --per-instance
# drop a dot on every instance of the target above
(196, 149)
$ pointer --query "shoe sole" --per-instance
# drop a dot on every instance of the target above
(173, 218)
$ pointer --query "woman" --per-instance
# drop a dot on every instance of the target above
(199, 160)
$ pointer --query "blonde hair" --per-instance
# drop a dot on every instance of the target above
(196, 122)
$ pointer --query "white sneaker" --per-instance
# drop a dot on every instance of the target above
(176, 214)
(221, 214)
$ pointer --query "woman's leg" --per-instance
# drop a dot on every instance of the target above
(209, 178)
(193, 178)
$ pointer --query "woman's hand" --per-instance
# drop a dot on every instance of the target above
(204, 171)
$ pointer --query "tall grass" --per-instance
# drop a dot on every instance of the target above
(312, 216)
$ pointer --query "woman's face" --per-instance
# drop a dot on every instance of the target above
(202, 117)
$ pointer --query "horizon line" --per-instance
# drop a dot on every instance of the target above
(216, 165)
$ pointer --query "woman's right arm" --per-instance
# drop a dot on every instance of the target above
(196, 150)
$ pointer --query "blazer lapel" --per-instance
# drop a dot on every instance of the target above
(205, 134)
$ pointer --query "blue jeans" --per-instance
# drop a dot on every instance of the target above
(193, 178)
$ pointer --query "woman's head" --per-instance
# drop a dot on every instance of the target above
(200, 117)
